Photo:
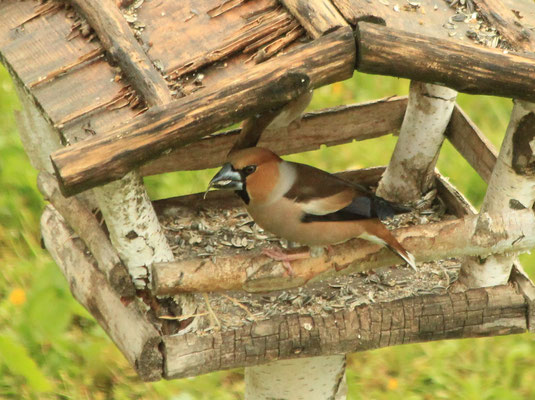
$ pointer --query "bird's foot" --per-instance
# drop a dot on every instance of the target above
(279, 255)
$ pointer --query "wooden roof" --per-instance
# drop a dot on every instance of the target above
(132, 88)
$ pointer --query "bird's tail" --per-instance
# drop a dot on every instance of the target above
(404, 254)
(378, 233)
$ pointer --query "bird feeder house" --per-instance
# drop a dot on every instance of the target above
(116, 90)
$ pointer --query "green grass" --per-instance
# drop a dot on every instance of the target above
(50, 347)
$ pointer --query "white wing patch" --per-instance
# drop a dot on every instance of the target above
(287, 177)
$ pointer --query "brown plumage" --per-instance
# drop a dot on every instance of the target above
(306, 205)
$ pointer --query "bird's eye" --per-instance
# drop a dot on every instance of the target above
(248, 170)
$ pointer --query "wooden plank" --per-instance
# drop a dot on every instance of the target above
(189, 20)
(466, 137)
(316, 16)
(465, 68)
(509, 24)
(330, 127)
(490, 311)
(75, 101)
(117, 38)
(103, 159)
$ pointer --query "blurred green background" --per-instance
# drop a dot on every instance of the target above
(50, 347)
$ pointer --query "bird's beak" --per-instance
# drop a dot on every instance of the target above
(227, 178)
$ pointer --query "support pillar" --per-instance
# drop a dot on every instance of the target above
(511, 187)
(410, 173)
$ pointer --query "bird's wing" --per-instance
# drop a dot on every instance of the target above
(325, 197)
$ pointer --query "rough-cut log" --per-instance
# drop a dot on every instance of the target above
(511, 187)
(465, 68)
(133, 334)
(117, 38)
(475, 313)
(330, 126)
(411, 171)
(481, 235)
(466, 137)
(86, 226)
(273, 83)
(313, 378)
(317, 16)
(507, 23)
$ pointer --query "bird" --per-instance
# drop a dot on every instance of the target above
(306, 205)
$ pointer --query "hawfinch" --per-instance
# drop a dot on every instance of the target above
(304, 204)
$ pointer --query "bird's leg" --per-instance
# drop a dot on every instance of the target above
(285, 258)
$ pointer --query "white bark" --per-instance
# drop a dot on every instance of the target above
(410, 173)
(507, 189)
(133, 225)
(315, 378)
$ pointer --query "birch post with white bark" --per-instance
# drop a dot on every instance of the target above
(410, 173)
(511, 186)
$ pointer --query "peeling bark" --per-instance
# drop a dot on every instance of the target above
(511, 187)
(410, 173)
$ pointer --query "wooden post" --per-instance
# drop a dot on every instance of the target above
(315, 378)
(410, 173)
(511, 187)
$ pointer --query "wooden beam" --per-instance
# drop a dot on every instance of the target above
(330, 126)
(465, 68)
(507, 23)
(466, 137)
(86, 226)
(110, 156)
(316, 16)
(117, 38)
(252, 271)
(475, 313)
(124, 323)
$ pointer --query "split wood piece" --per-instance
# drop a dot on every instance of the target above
(504, 232)
(331, 126)
(117, 38)
(511, 187)
(110, 156)
(411, 171)
(249, 35)
(94, 54)
(466, 137)
(465, 68)
(130, 330)
(507, 23)
(317, 16)
(475, 313)
(86, 226)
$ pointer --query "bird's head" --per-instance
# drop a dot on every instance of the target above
(252, 172)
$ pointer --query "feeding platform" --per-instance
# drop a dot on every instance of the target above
(113, 91)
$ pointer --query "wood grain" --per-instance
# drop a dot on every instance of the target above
(509, 25)
(316, 16)
(466, 68)
(271, 84)
(117, 38)
(475, 313)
